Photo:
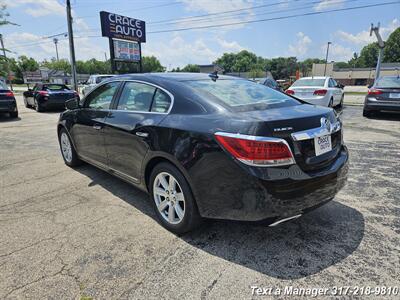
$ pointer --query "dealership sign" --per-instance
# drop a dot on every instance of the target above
(121, 27)
(126, 50)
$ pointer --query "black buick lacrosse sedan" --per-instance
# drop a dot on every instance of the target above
(208, 146)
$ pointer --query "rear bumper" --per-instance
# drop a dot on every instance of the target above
(321, 101)
(373, 104)
(53, 104)
(8, 106)
(234, 192)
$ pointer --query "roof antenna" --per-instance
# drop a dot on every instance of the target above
(213, 75)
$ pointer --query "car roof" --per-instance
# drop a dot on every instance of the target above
(174, 76)
(315, 77)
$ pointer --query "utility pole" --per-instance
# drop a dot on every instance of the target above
(105, 55)
(55, 40)
(6, 60)
(326, 58)
(381, 45)
(71, 46)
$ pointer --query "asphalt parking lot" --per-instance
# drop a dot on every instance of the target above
(66, 234)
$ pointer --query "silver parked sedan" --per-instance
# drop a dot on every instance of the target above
(318, 90)
(383, 95)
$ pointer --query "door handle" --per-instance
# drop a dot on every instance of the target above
(142, 134)
(97, 127)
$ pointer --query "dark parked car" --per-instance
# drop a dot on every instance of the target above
(7, 101)
(270, 82)
(219, 147)
(48, 96)
(383, 95)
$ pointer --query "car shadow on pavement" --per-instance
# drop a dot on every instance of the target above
(6, 118)
(295, 249)
(387, 116)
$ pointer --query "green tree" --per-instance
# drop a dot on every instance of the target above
(342, 65)
(392, 48)
(152, 64)
(226, 61)
(61, 65)
(191, 68)
(368, 56)
(256, 73)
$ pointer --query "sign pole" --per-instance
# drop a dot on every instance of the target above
(140, 61)
(71, 46)
(112, 55)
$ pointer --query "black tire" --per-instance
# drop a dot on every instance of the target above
(191, 218)
(14, 114)
(74, 161)
(38, 107)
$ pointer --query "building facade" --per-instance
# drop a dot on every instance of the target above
(355, 76)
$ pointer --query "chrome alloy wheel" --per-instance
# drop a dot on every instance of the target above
(66, 147)
(169, 198)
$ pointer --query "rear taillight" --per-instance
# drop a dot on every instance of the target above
(256, 151)
(43, 93)
(9, 94)
(320, 92)
(374, 92)
(290, 92)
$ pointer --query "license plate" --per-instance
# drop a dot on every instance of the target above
(394, 95)
(322, 144)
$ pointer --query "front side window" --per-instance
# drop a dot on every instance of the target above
(161, 102)
(101, 97)
(136, 97)
(242, 95)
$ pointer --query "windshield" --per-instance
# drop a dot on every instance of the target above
(3, 86)
(309, 82)
(388, 82)
(102, 78)
(242, 94)
(55, 87)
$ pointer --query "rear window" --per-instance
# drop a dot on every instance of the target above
(55, 87)
(3, 86)
(388, 82)
(242, 94)
(102, 78)
(309, 82)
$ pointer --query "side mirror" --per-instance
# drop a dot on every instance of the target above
(72, 104)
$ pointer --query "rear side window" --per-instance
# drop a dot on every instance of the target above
(55, 87)
(136, 97)
(161, 102)
(309, 82)
(3, 86)
(101, 97)
(388, 82)
(242, 95)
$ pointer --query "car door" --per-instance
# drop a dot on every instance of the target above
(29, 95)
(87, 131)
(130, 126)
(337, 92)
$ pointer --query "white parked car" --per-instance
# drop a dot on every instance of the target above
(93, 81)
(318, 90)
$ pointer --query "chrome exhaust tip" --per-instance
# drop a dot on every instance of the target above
(284, 220)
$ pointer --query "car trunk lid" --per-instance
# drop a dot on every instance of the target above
(283, 122)
(386, 94)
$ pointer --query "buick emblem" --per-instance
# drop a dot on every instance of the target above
(326, 123)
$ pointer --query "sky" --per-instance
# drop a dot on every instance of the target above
(301, 36)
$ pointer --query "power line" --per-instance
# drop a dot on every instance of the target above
(137, 9)
(277, 18)
(203, 19)
(310, 5)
